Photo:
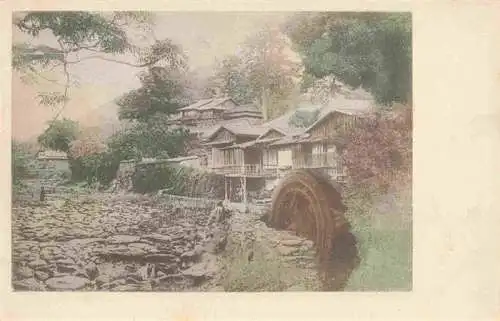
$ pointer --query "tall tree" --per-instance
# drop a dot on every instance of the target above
(59, 135)
(149, 138)
(163, 90)
(370, 50)
(230, 79)
(263, 71)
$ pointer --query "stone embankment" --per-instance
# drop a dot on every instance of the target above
(293, 256)
(128, 242)
(110, 242)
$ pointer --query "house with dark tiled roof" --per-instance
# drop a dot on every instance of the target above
(205, 116)
(209, 112)
(251, 155)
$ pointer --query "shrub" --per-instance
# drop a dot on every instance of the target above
(19, 163)
(178, 180)
(379, 149)
(151, 178)
(100, 167)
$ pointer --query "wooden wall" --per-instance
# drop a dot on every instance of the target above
(333, 125)
(223, 135)
(272, 134)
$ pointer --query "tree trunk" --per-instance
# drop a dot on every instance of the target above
(265, 104)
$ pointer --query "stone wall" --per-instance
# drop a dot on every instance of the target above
(251, 240)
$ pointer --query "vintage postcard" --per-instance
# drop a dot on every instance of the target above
(204, 151)
(211, 160)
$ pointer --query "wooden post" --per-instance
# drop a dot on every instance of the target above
(245, 191)
(225, 188)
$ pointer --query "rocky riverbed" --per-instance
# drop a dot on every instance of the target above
(107, 242)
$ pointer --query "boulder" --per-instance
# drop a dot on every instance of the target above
(37, 264)
(123, 239)
(30, 284)
(67, 283)
(41, 275)
(23, 272)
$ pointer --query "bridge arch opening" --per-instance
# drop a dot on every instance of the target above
(309, 204)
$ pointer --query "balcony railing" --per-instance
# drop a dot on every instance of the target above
(247, 170)
(329, 162)
(326, 161)
(320, 160)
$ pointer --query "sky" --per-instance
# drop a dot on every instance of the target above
(204, 37)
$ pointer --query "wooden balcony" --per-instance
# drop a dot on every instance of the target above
(316, 160)
(249, 170)
(329, 162)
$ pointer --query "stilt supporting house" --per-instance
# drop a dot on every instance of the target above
(225, 188)
(244, 193)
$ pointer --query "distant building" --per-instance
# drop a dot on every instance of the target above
(207, 115)
(209, 112)
(53, 160)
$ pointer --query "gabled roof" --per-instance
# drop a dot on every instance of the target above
(238, 129)
(359, 107)
(215, 104)
(249, 108)
(269, 129)
(207, 104)
(196, 105)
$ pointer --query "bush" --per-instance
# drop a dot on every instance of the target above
(101, 167)
(178, 180)
(379, 149)
(152, 178)
(19, 163)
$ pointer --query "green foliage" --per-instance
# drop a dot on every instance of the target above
(229, 78)
(77, 29)
(148, 139)
(27, 58)
(59, 135)
(261, 72)
(149, 179)
(99, 167)
(51, 98)
(81, 30)
(304, 118)
(378, 152)
(162, 91)
(256, 276)
(76, 32)
(372, 50)
(178, 180)
(19, 163)
(382, 224)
